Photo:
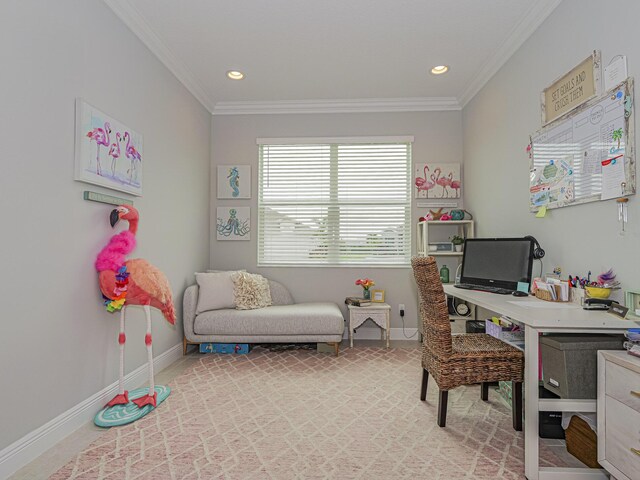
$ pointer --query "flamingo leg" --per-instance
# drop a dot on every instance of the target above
(122, 398)
(149, 399)
(98, 169)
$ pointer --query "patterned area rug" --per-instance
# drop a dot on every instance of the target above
(303, 414)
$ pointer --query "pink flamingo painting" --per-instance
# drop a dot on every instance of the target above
(101, 137)
(132, 154)
(423, 184)
(132, 282)
(114, 153)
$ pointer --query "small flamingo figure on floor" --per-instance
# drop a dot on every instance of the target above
(423, 184)
(101, 137)
(132, 154)
(132, 282)
(114, 153)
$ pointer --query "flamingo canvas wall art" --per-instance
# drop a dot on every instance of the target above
(437, 180)
(234, 181)
(108, 152)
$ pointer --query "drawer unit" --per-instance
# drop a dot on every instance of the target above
(619, 414)
(623, 385)
(622, 446)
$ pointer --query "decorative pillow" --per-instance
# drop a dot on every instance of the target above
(215, 292)
(251, 291)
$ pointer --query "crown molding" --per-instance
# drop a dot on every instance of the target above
(136, 23)
(367, 105)
(536, 15)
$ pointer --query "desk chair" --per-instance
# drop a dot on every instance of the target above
(464, 359)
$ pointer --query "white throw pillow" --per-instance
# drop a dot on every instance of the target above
(215, 292)
(251, 291)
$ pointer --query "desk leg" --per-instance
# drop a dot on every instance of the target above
(531, 440)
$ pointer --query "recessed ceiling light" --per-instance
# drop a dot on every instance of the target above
(440, 69)
(235, 75)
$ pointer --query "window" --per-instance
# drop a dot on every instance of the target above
(334, 201)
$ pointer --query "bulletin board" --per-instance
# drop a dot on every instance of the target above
(587, 155)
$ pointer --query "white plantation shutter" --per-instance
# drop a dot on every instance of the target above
(327, 203)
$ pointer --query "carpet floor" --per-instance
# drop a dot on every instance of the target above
(308, 415)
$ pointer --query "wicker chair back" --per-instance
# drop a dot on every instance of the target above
(436, 327)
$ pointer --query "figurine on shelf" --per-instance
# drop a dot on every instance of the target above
(445, 217)
(437, 214)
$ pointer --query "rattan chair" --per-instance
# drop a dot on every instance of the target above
(464, 359)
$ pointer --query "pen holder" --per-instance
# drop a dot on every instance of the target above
(577, 295)
(545, 295)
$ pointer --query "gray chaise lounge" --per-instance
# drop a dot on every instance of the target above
(282, 322)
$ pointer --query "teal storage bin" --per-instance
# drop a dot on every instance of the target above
(240, 348)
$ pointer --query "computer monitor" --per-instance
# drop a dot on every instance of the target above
(497, 262)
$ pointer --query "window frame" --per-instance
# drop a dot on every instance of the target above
(334, 202)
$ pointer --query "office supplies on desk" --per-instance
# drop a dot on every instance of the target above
(596, 304)
(553, 290)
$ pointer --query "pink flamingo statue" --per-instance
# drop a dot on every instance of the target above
(101, 137)
(423, 184)
(114, 153)
(132, 154)
(443, 182)
(132, 282)
(455, 184)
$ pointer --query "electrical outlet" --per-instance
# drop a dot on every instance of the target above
(400, 307)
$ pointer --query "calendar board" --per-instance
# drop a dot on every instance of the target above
(571, 159)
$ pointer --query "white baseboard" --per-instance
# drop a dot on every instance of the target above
(35, 443)
(373, 333)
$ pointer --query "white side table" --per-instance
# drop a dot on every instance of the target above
(378, 312)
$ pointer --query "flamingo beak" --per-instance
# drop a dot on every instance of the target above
(114, 217)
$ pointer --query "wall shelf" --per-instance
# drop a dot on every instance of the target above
(463, 228)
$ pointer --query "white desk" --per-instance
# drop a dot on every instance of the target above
(558, 319)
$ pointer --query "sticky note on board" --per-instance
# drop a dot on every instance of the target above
(523, 287)
(542, 211)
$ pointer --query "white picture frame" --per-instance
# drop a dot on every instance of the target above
(107, 152)
(233, 223)
(234, 181)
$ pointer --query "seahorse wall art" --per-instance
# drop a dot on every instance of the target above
(233, 223)
(234, 181)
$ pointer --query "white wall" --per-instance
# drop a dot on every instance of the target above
(58, 345)
(497, 124)
(437, 139)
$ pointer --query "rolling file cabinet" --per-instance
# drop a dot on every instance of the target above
(619, 414)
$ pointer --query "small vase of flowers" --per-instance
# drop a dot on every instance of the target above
(366, 284)
(457, 241)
